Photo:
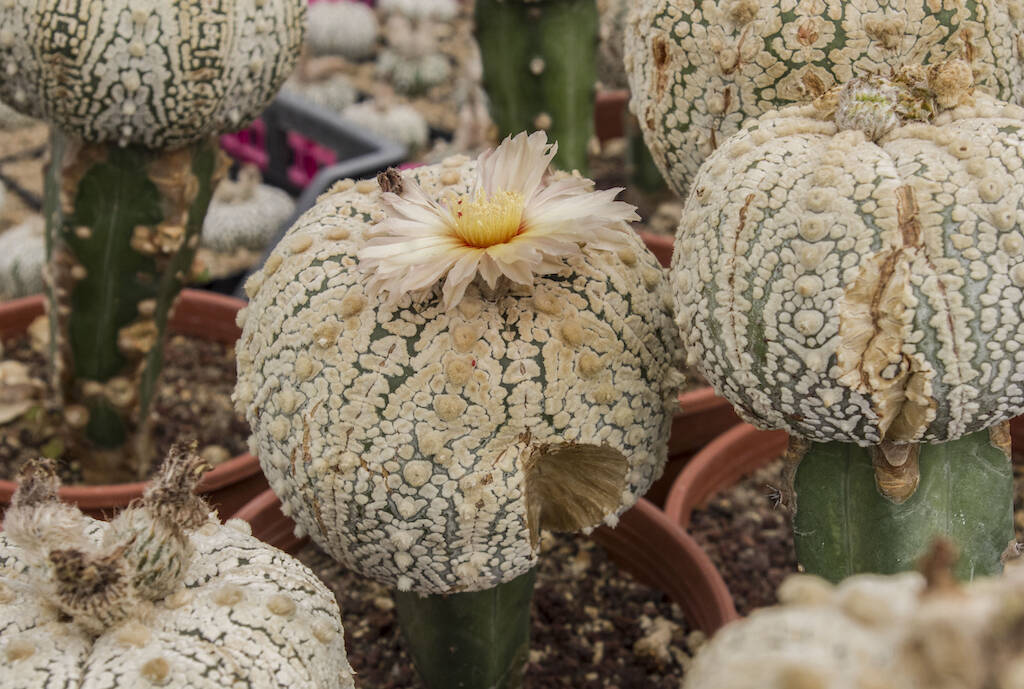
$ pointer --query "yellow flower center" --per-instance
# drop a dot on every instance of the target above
(484, 222)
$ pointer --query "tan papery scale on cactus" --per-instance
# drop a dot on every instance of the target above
(849, 270)
(162, 595)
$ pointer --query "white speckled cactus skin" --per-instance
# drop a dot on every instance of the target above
(699, 68)
(400, 438)
(22, 257)
(873, 632)
(849, 290)
(158, 73)
(342, 28)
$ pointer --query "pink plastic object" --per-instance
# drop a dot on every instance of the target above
(307, 157)
(248, 145)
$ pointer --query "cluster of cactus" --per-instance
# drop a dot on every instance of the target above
(134, 164)
(161, 595)
(413, 61)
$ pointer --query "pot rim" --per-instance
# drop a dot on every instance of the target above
(721, 463)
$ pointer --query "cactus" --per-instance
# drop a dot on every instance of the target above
(137, 95)
(699, 69)
(22, 257)
(396, 121)
(413, 61)
(334, 91)
(421, 10)
(345, 28)
(540, 70)
(439, 364)
(162, 595)
(906, 631)
(849, 270)
(245, 214)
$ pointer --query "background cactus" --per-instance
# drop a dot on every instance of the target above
(413, 61)
(540, 70)
(137, 95)
(421, 10)
(22, 257)
(425, 439)
(245, 214)
(396, 121)
(849, 270)
(699, 69)
(163, 595)
(343, 28)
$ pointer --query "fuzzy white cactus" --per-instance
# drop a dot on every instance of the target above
(424, 434)
(395, 121)
(413, 61)
(156, 73)
(344, 28)
(22, 258)
(245, 214)
(418, 10)
(334, 92)
(896, 632)
(164, 595)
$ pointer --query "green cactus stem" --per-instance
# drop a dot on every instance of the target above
(539, 62)
(123, 224)
(477, 640)
(643, 172)
(861, 510)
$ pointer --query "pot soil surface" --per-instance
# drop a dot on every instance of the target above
(750, 538)
(193, 402)
(593, 627)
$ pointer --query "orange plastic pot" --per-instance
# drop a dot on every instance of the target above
(645, 543)
(227, 486)
(723, 462)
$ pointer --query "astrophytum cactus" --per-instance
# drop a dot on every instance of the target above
(540, 70)
(137, 93)
(163, 595)
(436, 371)
(699, 69)
(851, 270)
(906, 631)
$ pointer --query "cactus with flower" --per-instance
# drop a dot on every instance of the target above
(440, 364)
(137, 95)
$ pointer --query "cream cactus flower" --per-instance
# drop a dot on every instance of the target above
(434, 376)
(513, 222)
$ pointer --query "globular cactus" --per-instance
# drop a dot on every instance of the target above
(162, 595)
(344, 28)
(896, 632)
(699, 69)
(396, 121)
(22, 258)
(413, 61)
(440, 368)
(421, 10)
(245, 214)
(540, 70)
(333, 91)
(137, 95)
(849, 270)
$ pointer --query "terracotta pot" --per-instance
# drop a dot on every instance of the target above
(660, 245)
(645, 543)
(609, 114)
(722, 463)
(228, 486)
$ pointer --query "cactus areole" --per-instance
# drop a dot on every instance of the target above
(163, 595)
(851, 271)
(436, 371)
(137, 94)
(698, 69)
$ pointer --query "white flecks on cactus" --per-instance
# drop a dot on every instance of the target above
(22, 258)
(245, 214)
(342, 28)
(699, 69)
(155, 598)
(160, 74)
(335, 92)
(431, 10)
(395, 121)
(857, 290)
(895, 632)
(427, 446)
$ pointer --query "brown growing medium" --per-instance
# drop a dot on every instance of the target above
(193, 401)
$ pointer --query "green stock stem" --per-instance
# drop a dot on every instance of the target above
(844, 525)
(539, 61)
(477, 640)
(123, 224)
